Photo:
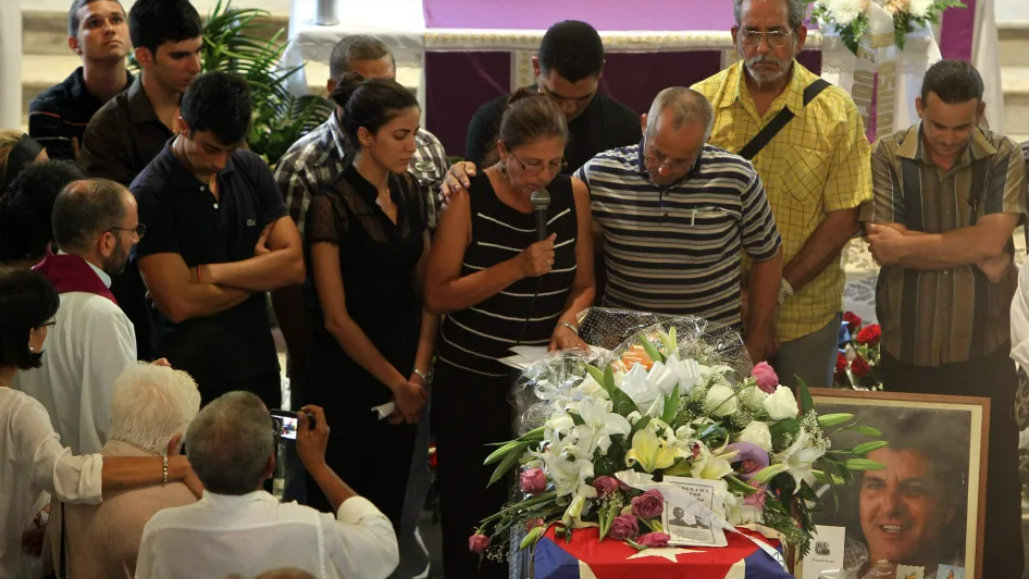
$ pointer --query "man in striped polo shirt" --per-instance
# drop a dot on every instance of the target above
(673, 214)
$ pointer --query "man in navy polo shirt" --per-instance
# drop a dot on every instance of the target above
(218, 238)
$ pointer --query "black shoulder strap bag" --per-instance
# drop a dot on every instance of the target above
(782, 119)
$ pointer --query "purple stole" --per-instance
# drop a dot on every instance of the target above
(71, 273)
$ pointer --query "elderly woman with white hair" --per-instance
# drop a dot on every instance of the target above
(151, 409)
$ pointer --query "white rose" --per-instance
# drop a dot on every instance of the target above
(757, 433)
(782, 404)
(754, 398)
(720, 400)
(920, 8)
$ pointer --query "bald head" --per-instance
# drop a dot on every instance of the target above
(87, 208)
(676, 107)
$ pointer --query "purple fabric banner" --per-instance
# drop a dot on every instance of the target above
(957, 32)
(653, 15)
(458, 83)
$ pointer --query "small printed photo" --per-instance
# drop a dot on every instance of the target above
(822, 548)
(910, 572)
(950, 572)
(679, 518)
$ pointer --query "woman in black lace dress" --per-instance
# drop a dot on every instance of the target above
(500, 287)
(367, 242)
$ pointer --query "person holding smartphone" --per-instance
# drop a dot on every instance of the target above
(366, 242)
(238, 528)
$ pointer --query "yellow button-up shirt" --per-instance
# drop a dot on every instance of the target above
(818, 163)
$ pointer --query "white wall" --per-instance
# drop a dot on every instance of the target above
(202, 6)
(1012, 11)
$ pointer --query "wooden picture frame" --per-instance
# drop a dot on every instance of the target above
(914, 509)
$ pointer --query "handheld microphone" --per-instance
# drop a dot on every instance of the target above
(540, 201)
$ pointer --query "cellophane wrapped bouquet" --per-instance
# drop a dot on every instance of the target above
(665, 396)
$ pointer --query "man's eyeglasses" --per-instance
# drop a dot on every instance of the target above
(536, 167)
(656, 160)
(775, 38)
(139, 230)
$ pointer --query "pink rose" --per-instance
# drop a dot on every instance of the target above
(477, 543)
(606, 485)
(624, 527)
(653, 540)
(534, 481)
(766, 377)
(757, 499)
(649, 505)
(533, 523)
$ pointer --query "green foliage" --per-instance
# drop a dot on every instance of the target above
(235, 40)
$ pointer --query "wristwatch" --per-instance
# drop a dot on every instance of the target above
(785, 291)
(427, 378)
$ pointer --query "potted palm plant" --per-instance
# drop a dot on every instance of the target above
(241, 41)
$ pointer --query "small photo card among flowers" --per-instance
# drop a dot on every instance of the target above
(693, 511)
(910, 572)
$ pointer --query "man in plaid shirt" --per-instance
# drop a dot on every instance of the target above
(816, 172)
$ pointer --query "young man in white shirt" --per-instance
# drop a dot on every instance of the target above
(95, 226)
(237, 528)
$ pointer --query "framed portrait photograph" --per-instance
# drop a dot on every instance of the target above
(925, 509)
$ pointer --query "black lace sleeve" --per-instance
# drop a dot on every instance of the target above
(326, 220)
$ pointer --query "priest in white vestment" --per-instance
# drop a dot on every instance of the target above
(95, 226)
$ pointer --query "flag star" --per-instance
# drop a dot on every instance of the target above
(668, 553)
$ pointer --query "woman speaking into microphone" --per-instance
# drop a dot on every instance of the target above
(499, 286)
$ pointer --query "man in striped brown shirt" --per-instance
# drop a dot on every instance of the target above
(947, 197)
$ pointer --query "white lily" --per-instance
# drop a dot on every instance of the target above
(635, 384)
(558, 427)
(651, 451)
(709, 466)
(569, 466)
(602, 423)
(589, 387)
(799, 458)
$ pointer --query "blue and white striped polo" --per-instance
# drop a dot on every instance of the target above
(675, 249)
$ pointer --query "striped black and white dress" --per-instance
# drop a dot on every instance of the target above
(473, 339)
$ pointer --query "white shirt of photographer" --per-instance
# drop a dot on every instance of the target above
(252, 533)
(88, 348)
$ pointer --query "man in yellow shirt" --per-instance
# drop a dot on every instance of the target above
(815, 167)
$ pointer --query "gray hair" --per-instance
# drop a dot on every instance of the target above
(796, 11)
(230, 442)
(686, 105)
(356, 47)
(85, 209)
(151, 405)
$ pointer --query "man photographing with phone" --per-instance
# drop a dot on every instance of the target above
(239, 528)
